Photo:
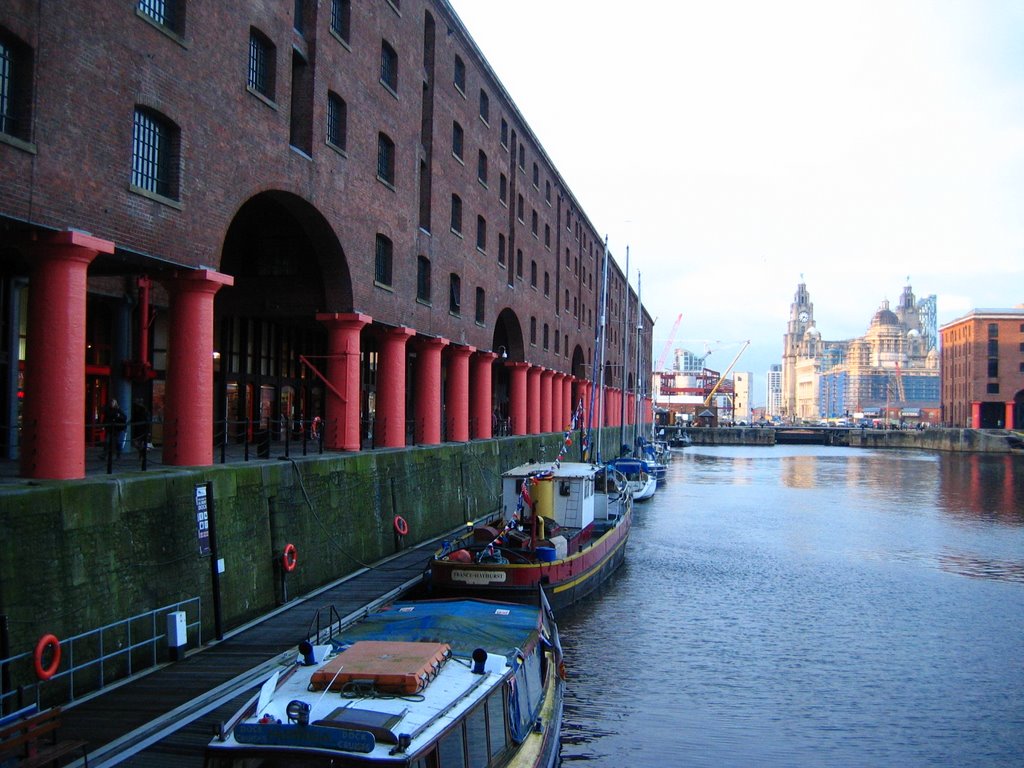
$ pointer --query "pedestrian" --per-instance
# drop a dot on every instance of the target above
(140, 425)
(115, 422)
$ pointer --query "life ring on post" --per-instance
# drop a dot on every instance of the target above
(289, 558)
(45, 673)
(401, 527)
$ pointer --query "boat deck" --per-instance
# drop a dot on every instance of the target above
(166, 717)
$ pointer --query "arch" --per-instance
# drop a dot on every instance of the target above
(508, 333)
(287, 265)
(579, 363)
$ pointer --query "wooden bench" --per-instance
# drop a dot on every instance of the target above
(32, 741)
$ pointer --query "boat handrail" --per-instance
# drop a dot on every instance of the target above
(317, 636)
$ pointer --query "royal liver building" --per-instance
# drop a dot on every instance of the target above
(891, 372)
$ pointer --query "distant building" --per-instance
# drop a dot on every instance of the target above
(742, 387)
(773, 391)
(890, 372)
(983, 369)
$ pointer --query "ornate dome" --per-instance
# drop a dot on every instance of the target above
(885, 316)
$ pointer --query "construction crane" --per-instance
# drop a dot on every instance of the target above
(711, 394)
(660, 365)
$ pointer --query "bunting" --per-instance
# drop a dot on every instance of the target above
(525, 499)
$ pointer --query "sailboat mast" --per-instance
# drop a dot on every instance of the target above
(625, 356)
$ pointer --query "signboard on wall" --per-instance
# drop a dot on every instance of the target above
(202, 520)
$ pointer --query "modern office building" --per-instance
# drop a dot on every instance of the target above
(983, 369)
(250, 216)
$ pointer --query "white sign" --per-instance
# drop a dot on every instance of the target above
(478, 577)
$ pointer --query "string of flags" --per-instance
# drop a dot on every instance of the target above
(525, 500)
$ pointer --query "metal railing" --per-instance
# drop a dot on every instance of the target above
(94, 659)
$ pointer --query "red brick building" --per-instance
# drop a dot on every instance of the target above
(982, 369)
(251, 215)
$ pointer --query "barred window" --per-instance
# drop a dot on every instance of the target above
(485, 106)
(547, 191)
(519, 208)
(388, 66)
(533, 223)
(547, 235)
(481, 167)
(454, 293)
(385, 159)
(456, 220)
(504, 133)
(457, 140)
(481, 233)
(341, 18)
(337, 120)
(501, 249)
(481, 305)
(536, 176)
(15, 87)
(460, 74)
(503, 189)
(166, 13)
(154, 153)
(533, 274)
(423, 278)
(261, 63)
(382, 263)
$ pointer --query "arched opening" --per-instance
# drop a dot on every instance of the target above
(288, 266)
(508, 343)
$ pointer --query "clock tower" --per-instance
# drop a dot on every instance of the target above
(794, 346)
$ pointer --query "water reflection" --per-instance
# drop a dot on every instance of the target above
(780, 605)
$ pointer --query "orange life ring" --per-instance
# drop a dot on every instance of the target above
(45, 673)
(289, 558)
(401, 527)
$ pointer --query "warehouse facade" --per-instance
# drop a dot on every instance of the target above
(285, 217)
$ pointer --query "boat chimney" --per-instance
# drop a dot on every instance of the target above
(479, 659)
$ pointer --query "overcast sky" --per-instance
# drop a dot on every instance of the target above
(735, 146)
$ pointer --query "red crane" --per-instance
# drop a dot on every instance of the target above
(660, 365)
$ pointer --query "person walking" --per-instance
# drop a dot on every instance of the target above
(116, 422)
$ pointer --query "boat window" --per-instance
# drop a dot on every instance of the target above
(565, 488)
(496, 721)
(476, 738)
(450, 750)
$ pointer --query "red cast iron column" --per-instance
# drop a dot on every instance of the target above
(481, 386)
(517, 397)
(389, 429)
(533, 400)
(558, 423)
(545, 400)
(427, 397)
(53, 415)
(341, 406)
(188, 403)
(456, 403)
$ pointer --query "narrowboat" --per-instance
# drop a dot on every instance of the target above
(419, 684)
(563, 528)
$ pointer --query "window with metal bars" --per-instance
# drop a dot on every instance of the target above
(154, 149)
(481, 305)
(337, 120)
(454, 293)
(423, 278)
(456, 219)
(341, 18)
(166, 13)
(388, 66)
(261, 63)
(382, 261)
(15, 87)
(459, 77)
(385, 159)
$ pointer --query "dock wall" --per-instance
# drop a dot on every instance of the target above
(77, 555)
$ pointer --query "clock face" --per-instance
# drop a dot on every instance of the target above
(803, 317)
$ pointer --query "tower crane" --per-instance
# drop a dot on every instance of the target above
(711, 394)
(660, 365)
